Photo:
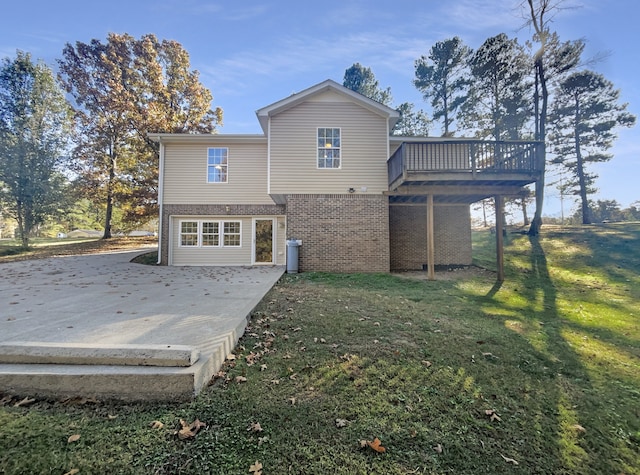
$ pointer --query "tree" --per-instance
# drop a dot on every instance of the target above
(124, 89)
(585, 114)
(362, 80)
(35, 124)
(412, 123)
(442, 77)
(550, 55)
(498, 105)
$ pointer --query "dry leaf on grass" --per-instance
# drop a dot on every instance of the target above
(579, 428)
(189, 431)
(25, 402)
(156, 425)
(374, 445)
(493, 415)
(256, 468)
(438, 448)
(509, 460)
(73, 438)
(240, 379)
(341, 423)
(255, 427)
(73, 471)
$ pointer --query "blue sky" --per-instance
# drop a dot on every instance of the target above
(251, 53)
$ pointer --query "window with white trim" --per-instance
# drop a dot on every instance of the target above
(189, 233)
(217, 165)
(329, 147)
(232, 233)
(210, 234)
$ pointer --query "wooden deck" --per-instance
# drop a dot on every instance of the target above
(462, 171)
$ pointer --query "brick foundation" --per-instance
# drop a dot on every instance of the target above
(340, 233)
(408, 236)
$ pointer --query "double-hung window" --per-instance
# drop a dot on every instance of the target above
(217, 165)
(329, 147)
(207, 233)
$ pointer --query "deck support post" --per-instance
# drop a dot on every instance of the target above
(431, 267)
(500, 237)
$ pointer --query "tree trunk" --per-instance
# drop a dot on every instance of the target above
(582, 182)
(536, 222)
(110, 184)
(525, 217)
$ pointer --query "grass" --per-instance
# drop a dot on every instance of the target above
(11, 250)
(455, 376)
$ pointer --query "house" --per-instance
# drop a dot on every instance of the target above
(327, 171)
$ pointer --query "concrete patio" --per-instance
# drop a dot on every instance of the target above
(101, 326)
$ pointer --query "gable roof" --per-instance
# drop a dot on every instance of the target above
(294, 99)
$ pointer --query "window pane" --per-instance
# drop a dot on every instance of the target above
(231, 233)
(189, 227)
(210, 233)
(217, 161)
(189, 233)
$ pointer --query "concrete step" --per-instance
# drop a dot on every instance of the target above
(36, 352)
(115, 382)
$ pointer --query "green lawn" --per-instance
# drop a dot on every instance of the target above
(539, 375)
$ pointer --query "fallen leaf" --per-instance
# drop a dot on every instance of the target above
(73, 438)
(240, 379)
(25, 402)
(341, 423)
(376, 324)
(322, 340)
(579, 428)
(375, 445)
(262, 440)
(156, 425)
(427, 363)
(292, 400)
(111, 417)
(6, 400)
(493, 415)
(189, 431)
(509, 460)
(231, 357)
(263, 367)
(438, 448)
(255, 427)
(256, 468)
(73, 471)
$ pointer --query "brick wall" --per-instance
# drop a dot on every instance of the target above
(210, 210)
(340, 233)
(408, 236)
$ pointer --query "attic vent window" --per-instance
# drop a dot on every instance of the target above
(329, 148)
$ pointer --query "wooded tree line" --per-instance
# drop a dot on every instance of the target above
(78, 140)
(540, 90)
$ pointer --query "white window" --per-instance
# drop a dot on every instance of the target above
(189, 233)
(329, 148)
(210, 234)
(217, 165)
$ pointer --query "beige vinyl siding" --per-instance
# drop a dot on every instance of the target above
(293, 136)
(185, 175)
(224, 256)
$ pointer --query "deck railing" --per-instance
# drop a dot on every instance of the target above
(465, 156)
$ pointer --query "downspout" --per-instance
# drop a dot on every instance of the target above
(269, 156)
(160, 199)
